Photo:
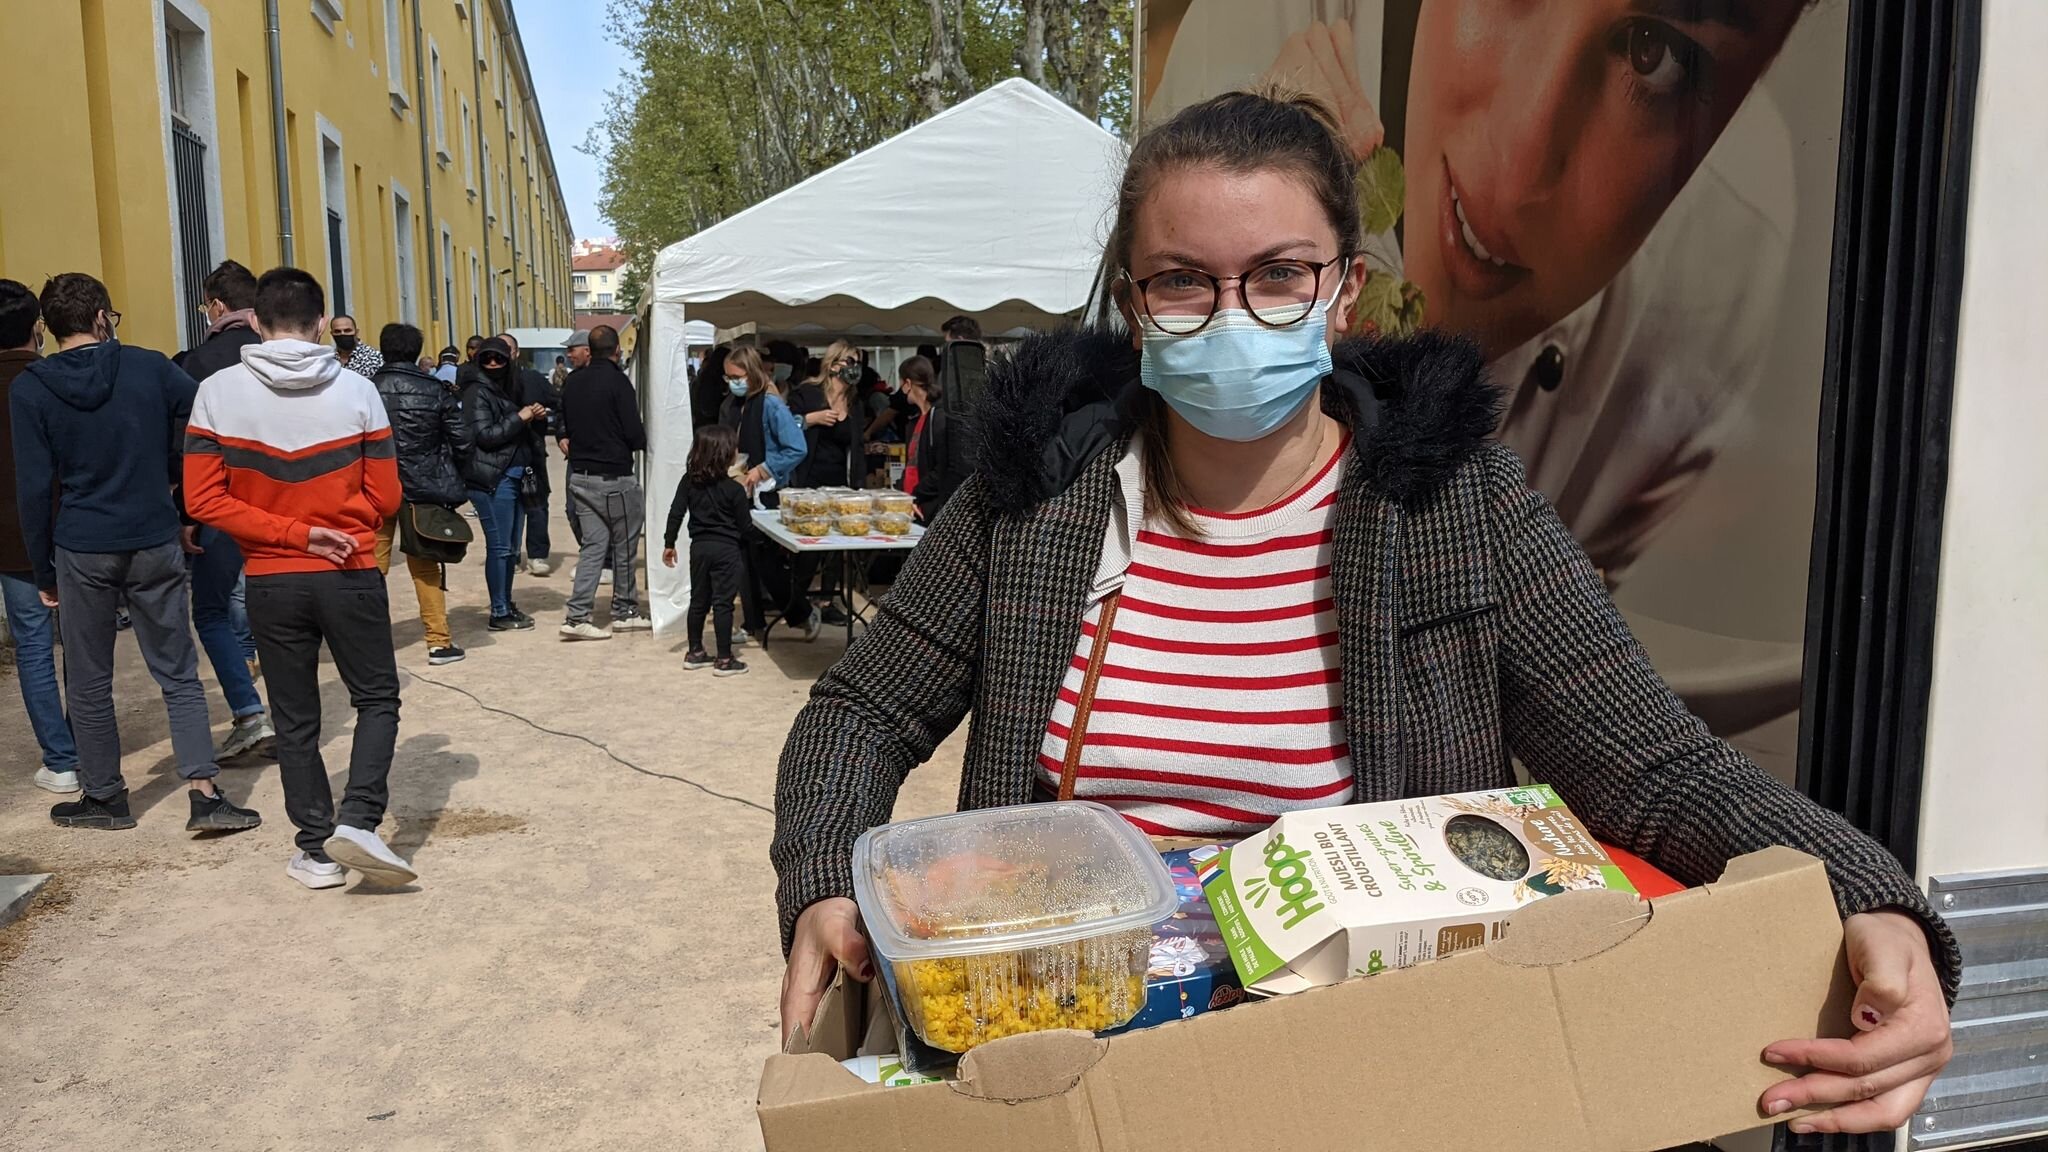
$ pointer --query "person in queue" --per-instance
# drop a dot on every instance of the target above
(772, 444)
(1384, 607)
(434, 442)
(941, 455)
(502, 425)
(824, 403)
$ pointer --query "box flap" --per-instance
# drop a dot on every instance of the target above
(1028, 1067)
(1570, 927)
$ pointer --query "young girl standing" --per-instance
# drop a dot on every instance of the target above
(717, 508)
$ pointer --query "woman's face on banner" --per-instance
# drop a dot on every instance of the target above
(1544, 140)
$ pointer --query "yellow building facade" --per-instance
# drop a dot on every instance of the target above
(418, 183)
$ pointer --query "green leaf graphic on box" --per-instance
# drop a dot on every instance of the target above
(1254, 960)
(1382, 189)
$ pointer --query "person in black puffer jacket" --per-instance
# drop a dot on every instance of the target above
(497, 469)
(434, 443)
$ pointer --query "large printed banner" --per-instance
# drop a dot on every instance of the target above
(1630, 205)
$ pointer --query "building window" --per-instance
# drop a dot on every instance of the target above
(448, 278)
(328, 13)
(334, 205)
(490, 187)
(401, 244)
(394, 53)
(191, 160)
(604, 300)
(580, 281)
(476, 307)
(468, 151)
(438, 102)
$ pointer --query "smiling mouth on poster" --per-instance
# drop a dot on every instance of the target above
(1631, 215)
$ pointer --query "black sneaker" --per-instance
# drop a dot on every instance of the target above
(122, 623)
(216, 813)
(695, 659)
(86, 812)
(448, 654)
(513, 623)
(832, 616)
(729, 666)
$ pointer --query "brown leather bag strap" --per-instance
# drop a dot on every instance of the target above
(1085, 704)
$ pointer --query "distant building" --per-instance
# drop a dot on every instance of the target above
(415, 167)
(594, 278)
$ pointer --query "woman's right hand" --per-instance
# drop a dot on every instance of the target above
(533, 412)
(825, 416)
(827, 939)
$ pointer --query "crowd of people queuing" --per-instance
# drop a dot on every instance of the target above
(264, 481)
(803, 421)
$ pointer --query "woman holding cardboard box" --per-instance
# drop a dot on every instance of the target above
(1226, 567)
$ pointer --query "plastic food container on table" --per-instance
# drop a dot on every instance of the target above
(895, 502)
(849, 503)
(892, 523)
(805, 502)
(854, 524)
(811, 524)
(791, 498)
(1012, 920)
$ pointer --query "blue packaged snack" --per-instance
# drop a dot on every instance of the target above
(1190, 970)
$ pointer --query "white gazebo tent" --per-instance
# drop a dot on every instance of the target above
(996, 207)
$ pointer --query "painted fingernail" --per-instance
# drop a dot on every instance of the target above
(867, 971)
(1869, 1017)
(1778, 1107)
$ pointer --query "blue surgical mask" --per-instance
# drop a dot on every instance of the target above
(738, 384)
(1238, 379)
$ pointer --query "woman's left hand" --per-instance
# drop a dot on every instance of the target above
(1875, 1080)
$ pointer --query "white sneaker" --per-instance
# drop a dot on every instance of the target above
(313, 873)
(367, 853)
(813, 626)
(604, 578)
(253, 734)
(584, 630)
(633, 623)
(62, 783)
(539, 567)
(740, 639)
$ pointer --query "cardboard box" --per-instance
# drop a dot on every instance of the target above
(1591, 1027)
(1322, 895)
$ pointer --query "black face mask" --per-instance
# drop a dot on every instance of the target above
(496, 372)
(344, 343)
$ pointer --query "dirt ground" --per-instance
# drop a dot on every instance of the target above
(588, 961)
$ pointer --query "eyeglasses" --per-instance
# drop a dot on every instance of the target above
(113, 319)
(1277, 294)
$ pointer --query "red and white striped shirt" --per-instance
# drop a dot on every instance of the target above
(1219, 703)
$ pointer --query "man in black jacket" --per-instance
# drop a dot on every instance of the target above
(601, 435)
(434, 444)
(219, 614)
(530, 543)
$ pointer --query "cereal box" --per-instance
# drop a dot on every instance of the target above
(1327, 894)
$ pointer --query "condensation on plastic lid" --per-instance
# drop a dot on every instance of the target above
(1003, 879)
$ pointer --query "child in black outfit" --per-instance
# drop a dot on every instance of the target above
(717, 507)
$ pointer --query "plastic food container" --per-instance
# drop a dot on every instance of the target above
(854, 524)
(1012, 920)
(892, 523)
(816, 524)
(895, 502)
(852, 503)
(791, 497)
(805, 502)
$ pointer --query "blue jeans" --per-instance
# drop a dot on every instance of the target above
(498, 512)
(216, 574)
(35, 665)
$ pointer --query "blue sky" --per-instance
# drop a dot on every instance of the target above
(574, 62)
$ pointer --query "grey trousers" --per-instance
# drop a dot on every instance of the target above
(90, 589)
(609, 517)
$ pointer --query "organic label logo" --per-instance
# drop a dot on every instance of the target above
(1287, 874)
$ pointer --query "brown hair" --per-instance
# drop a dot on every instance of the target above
(748, 359)
(1266, 130)
(918, 370)
(712, 455)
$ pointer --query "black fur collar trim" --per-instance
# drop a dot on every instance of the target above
(1061, 399)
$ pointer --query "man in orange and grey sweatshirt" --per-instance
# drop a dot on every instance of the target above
(291, 454)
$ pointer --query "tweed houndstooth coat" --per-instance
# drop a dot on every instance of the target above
(1472, 630)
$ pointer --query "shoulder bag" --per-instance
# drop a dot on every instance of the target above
(433, 532)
